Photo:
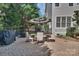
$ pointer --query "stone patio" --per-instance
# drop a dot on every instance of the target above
(22, 48)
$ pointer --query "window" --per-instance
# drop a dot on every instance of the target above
(68, 21)
(70, 4)
(63, 21)
(58, 22)
(77, 3)
(56, 4)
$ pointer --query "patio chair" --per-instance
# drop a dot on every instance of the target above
(52, 38)
(40, 37)
(33, 37)
(29, 38)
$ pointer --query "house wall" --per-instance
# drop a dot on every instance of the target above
(63, 10)
(48, 10)
(48, 13)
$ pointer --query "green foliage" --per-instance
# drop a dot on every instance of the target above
(76, 17)
(73, 31)
(76, 32)
(17, 15)
(70, 31)
(28, 12)
(9, 15)
(46, 26)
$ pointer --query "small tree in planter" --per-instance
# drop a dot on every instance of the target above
(73, 31)
(76, 19)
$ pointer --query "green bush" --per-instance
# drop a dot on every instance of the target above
(76, 32)
(70, 31)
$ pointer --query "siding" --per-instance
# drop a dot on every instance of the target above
(63, 10)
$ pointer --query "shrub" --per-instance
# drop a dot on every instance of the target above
(70, 31)
(76, 32)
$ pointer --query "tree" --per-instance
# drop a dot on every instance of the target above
(11, 17)
(76, 17)
(2, 15)
(18, 14)
(29, 11)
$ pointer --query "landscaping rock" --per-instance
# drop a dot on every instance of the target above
(28, 40)
(51, 40)
(40, 41)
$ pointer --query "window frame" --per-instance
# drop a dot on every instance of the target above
(58, 22)
(57, 5)
(68, 21)
(77, 4)
(63, 22)
(71, 4)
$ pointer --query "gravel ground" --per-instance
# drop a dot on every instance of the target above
(22, 48)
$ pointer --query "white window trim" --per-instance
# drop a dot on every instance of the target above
(70, 6)
(66, 21)
(61, 22)
(56, 22)
(57, 6)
